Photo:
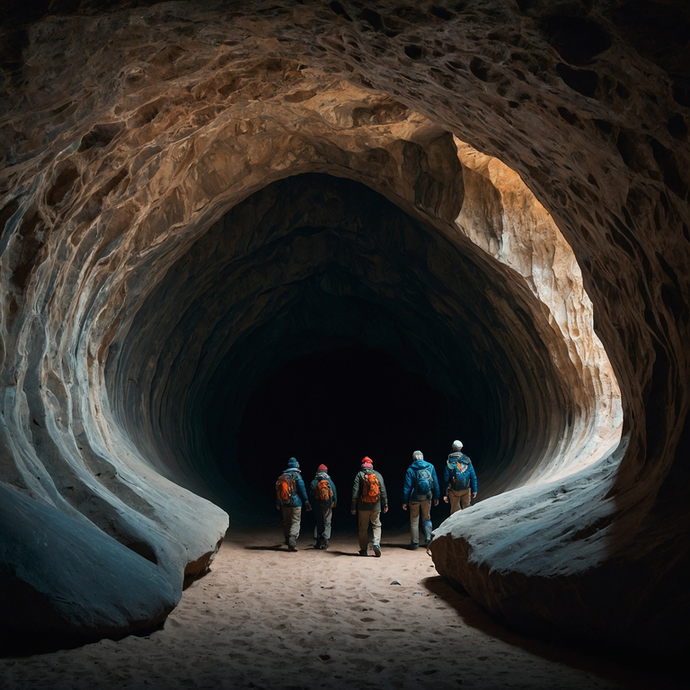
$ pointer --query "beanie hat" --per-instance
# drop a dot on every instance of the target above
(367, 462)
(457, 445)
(322, 468)
(292, 463)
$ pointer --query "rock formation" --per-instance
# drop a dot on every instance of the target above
(494, 192)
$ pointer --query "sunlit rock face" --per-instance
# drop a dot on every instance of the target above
(193, 198)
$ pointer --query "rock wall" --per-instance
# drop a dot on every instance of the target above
(173, 208)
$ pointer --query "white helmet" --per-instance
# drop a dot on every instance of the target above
(457, 445)
(418, 455)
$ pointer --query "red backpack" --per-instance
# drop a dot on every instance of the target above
(323, 492)
(285, 488)
(371, 489)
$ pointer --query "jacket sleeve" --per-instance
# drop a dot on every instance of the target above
(437, 488)
(335, 493)
(312, 491)
(384, 493)
(407, 488)
(446, 477)
(301, 490)
(355, 491)
(473, 479)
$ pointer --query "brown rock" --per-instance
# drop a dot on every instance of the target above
(156, 234)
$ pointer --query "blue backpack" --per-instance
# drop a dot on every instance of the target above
(425, 484)
(461, 480)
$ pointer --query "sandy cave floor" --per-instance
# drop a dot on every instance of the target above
(266, 618)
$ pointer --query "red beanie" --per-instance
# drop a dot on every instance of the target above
(367, 462)
(322, 468)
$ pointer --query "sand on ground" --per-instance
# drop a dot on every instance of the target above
(266, 618)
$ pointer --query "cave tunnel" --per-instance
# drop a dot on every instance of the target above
(233, 235)
(369, 333)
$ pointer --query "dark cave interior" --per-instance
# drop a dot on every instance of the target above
(336, 407)
(320, 320)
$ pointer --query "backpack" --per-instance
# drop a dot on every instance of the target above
(461, 480)
(323, 492)
(424, 485)
(285, 488)
(371, 490)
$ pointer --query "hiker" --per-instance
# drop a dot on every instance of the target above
(324, 498)
(291, 495)
(459, 479)
(369, 499)
(421, 486)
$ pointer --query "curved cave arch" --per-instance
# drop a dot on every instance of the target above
(312, 261)
(106, 189)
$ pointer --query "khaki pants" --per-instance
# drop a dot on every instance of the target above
(364, 517)
(459, 500)
(415, 507)
(291, 520)
(324, 517)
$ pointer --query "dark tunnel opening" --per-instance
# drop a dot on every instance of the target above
(320, 285)
(335, 407)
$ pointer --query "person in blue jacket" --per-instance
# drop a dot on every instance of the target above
(421, 487)
(324, 498)
(291, 495)
(459, 479)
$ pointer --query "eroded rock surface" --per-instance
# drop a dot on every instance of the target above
(171, 216)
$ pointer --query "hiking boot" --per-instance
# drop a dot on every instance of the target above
(324, 545)
(292, 545)
(318, 545)
(413, 547)
(362, 552)
(377, 550)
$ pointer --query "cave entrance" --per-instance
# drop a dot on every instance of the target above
(306, 319)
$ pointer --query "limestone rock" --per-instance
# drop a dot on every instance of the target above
(159, 241)
(62, 577)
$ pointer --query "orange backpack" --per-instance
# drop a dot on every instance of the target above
(324, 493)
(285, 488)
(371, 489)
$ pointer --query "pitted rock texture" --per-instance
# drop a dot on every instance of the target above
(174, 228)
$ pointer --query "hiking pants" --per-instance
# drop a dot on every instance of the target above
(324, 516)
(459, 500)
(415, 507)
(364, 517)
(291, 520)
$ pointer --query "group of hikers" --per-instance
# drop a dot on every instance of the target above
(370, 499)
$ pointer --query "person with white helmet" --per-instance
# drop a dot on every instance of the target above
(459, 479)
(421, 487)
